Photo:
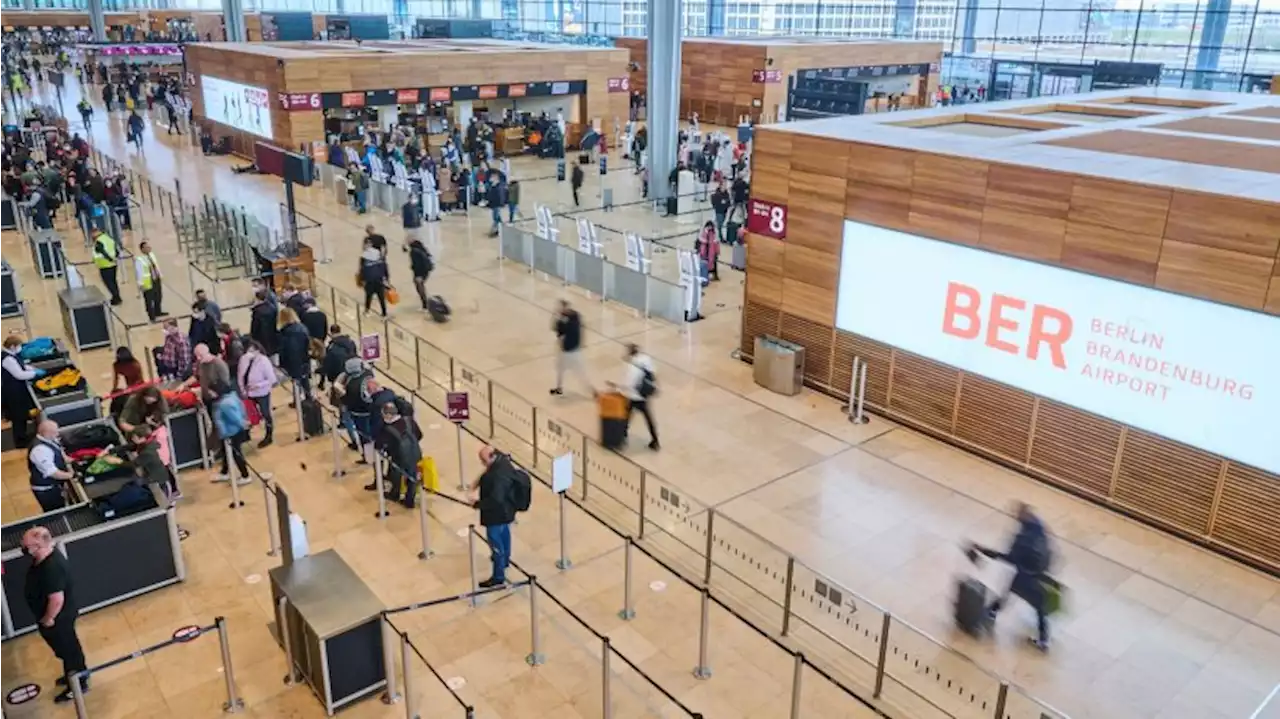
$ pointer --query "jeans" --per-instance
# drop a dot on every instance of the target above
(264, 408)
(496, 210)
(511, 212)
(349, 424)
(720, 217)
(362, 201)
(499, 537)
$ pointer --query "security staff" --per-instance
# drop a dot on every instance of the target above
(106, 255)
(147, 269)
(48, 465)
(51, 597)
(17, 399)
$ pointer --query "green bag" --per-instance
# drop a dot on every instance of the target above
(1052, 596)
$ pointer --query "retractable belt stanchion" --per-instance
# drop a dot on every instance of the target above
(378, 474)
(282, 625)
(703, 670)
(234, 704)
(273, 532)
(563, 562)
(423, 527)
(406, 662)
(471, 561)
(232, 477)
(297, 408)
(536, 656)
(462, 482)
(336, 431)
(390, 696)
(628, 607)
(606, 677)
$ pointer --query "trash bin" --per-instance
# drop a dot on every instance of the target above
(779, 365)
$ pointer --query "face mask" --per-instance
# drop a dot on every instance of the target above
(25, 551)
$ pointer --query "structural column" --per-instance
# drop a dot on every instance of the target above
(233, 20)
(98, 20)
(663, 110)
(1213, 31)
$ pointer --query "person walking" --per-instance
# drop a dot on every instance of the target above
(106, 257)
(86, 113)
(1031, 556)
(374, 275)
(422, 264)
(147, 269)
(135, 128)
(576, 179)
(720, 205)
(568, 327)
(493, 493)
(708, 251)
(49, 467)
(257, 376)
(495, 195)
(172, 114)
(51, 597)
(639, 387)
(15, 390)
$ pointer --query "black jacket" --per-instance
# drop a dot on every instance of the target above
(316, 322)
(496, 503)
(720, 201)
(569, 330)
(373, 272)
(577, 177)
(341, 348)
(411, 215)
(293, 350)
(205, 331)
(420, 259)
(262, 325)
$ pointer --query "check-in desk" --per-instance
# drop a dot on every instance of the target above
(46, 253)
(332, 625)
(10, 292)
(85, 316)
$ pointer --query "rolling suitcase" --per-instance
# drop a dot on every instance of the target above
(672, 206)
(738, 260)
(613, 420)
(438, 309)
(971, 607)
(312, 417)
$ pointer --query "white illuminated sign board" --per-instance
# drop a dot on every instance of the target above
(243, 107)
(1204, 374)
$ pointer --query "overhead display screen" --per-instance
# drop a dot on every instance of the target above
(1201, 373)
(243, 107)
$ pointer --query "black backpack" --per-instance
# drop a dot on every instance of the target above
(648, 385)
(521, 489)
(404, 448)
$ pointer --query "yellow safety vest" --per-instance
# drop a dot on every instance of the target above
(109, 243)
(151, 270)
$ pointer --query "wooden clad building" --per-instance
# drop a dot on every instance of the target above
(723, 79)
(1174, 190)
(303, 69)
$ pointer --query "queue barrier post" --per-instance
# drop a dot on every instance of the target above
(786, 597)
(286, 638)
(462, 480)
(563, 562)
(335, 432)
(884, 654)
(586, 482)
(797, 674)
(703, 669)
(77, 694)
(406, 662)
(536, 657)
(628, 611)
(390, 696)
(423, 526)
(297, 407)
(273, 532)
(234, 703)
(378, 475)
(606, 652)
(471, 562)
(232, 475)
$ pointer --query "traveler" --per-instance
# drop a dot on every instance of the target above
(568, 327)
(38, 205)
(125, 367)
(135, 129)
(493, 493)
(295, 359)
(15, 390)
(639, 387)
(399, 440)
(256, 377)
(317, 324)
(147, 269)
(1031, 556)
(707, 248)
(340, 349)
(262, 320)
(49, 468)
(421, 262)
(145, 455)
(513, 199)
(210, 307)
(357, 396)
(232, 423)
(496, 196)
(358, 188)
(576, 181)
(174, 359)
(50, 595)
(203, 330)
(374, 276)
(721, 203)
(86, 112)
(146, 408)
(210, 370)
(106, 255)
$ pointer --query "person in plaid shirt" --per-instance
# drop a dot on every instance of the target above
(173, 359)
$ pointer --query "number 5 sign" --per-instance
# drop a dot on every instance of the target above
(766, 218)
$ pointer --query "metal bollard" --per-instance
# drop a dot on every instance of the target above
(797, 675)
(462, 482)
(406, 661)
(390, 696)
(711, 543)
(703, 669)
(586, 483)
(535, 436)
(606, 652)
(286, 638)
(563, 562)
(628, 608)
(1002, 698)
(471, 556)
(884, 654)
(644, 499)
(233, 479)
(336, 432)
(786, 597)
(77, 694)
(426, 552)
(273, 532)
(535, 656)
(379, 487)
(234, 704)
(297, 408)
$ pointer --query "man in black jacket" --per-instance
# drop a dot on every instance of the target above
(422, 264)
(720, 204)
(493, 493)
(568, 327)
(262, 321)
(294, 360)
(1031, 555)
(398, 440)
(576, 181)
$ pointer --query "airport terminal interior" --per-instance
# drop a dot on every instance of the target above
(948, 353)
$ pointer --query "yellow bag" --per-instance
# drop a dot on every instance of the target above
(430, 475)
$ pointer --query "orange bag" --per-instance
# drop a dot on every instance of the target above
(393, 296)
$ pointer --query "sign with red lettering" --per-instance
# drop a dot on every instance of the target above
(457, 406)
(290, 101)
(488, 92)
(1195, 371)
(619, 84)
(517, 90)
(406, 97)
(766, 76)
(766, 218)
(440, 94)
(353, 99)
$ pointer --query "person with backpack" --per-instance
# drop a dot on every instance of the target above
(358, 390)
(232, 423)
(1031, 556)
(422, 264)
(502, 490)
(399, 441)
(640, 386)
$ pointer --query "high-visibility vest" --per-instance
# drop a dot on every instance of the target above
(150, 269)
(109, 243)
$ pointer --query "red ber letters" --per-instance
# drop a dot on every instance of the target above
(1050, 327)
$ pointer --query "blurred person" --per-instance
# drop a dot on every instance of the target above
(1031, 556)
(568, 328)
(125, 367)
(375, 277)
(210, 307)
(639, 386)
(173, 361)
(49, 467)
(232, 424)
(422, 264)
(50, 595)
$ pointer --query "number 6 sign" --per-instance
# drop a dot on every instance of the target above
(766, 218)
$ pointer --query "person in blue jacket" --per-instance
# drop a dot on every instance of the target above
(1030, 555)
(232, 423)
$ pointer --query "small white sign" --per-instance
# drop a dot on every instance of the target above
(562, 473)
(462, 533)
(657, 585)
(455, 683)
(253, 579)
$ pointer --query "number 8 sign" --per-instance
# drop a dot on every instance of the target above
(766, 218)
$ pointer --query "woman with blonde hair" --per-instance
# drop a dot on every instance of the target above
(294, 357)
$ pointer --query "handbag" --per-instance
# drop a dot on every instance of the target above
(251, 411)
(359, 279)
(430, 475)
(393, 296)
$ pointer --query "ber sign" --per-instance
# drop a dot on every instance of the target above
(1197, 372)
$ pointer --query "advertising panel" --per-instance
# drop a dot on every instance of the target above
(1194, 371)
(766, 218)
(243, 107)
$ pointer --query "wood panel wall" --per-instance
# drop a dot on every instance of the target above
(249, 69)
(1214, 247)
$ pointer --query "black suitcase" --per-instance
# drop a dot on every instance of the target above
(312, 417)
(672, 206)
(613, 433)
(971, 607)
(438, 309)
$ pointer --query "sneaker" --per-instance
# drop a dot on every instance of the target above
(362, 460)
(492, 582)
(371, 487)
(266, 442)
(353, 447)
(221, 478)
(243, 481)
(176, 495)
(654, 445)
(1043, 646)
(557, 391)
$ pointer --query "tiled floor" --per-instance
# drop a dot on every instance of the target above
(1155, 628)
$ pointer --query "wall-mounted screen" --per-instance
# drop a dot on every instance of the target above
(1197, 372)
(243, 107)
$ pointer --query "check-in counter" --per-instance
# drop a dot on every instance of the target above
(188, 436)
(46, 253)
(331, 626)
(10, 292)
(85, 316)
